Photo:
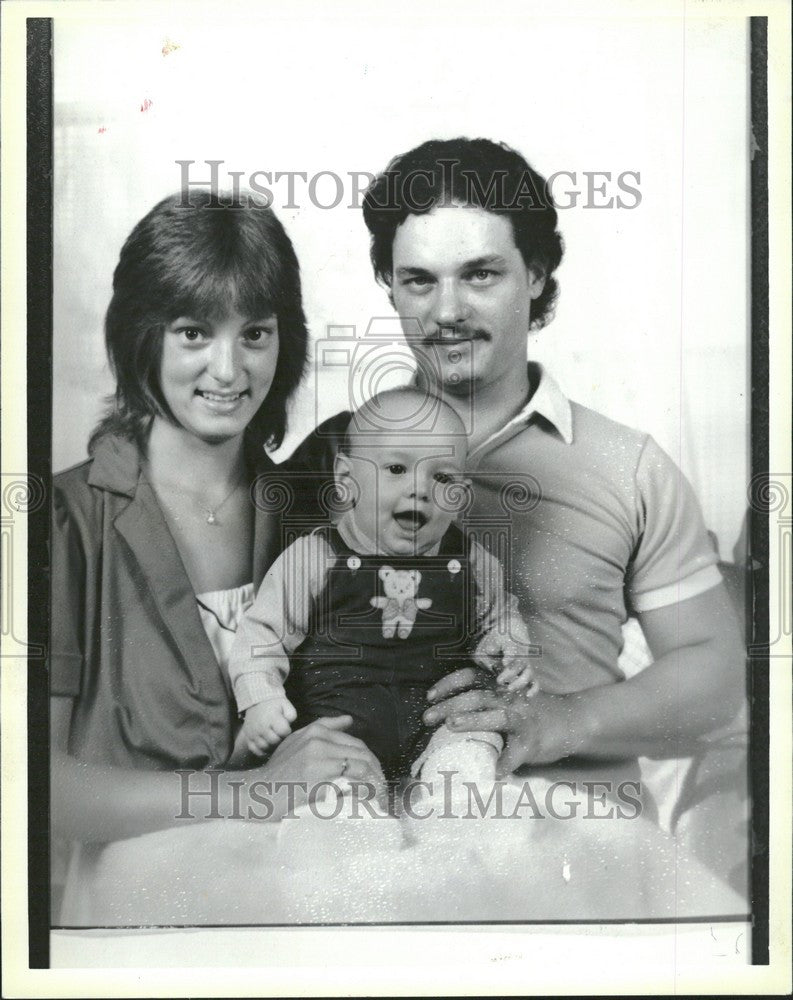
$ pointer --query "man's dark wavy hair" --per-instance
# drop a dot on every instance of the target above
(202, 258)
(474, 172)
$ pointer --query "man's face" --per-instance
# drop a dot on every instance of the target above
(463, 294)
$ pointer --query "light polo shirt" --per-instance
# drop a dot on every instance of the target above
(593, 522)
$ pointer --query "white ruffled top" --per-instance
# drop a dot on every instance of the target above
(221, 611)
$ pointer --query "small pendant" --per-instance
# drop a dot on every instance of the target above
(211, 519)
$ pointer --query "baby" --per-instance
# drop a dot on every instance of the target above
(361, 618)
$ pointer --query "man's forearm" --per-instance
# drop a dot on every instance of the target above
(664, 709)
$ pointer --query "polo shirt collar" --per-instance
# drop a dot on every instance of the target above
(547, 401)
(550, 402)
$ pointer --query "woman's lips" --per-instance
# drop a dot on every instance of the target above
(222, 402)
(222, 397)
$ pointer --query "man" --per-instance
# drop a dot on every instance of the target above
(464, 237)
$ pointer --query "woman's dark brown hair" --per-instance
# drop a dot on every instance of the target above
(204, 257)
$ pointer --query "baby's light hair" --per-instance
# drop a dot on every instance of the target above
(377, 417)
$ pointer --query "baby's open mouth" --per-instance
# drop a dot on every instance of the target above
(411, 520)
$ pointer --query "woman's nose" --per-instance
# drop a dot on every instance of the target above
(223, 361)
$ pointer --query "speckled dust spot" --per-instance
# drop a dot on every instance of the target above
(566, 871)
(146, 104)
(102, 130)
(169, 47)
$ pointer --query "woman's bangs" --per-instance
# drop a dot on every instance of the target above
(212, 295)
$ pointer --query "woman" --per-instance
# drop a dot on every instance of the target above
(157, 545)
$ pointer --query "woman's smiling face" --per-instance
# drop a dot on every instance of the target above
(215, 374)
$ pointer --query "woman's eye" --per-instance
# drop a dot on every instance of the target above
(191, 334)
(397, 469)
(260, 336)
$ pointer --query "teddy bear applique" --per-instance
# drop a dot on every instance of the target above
(400, 604)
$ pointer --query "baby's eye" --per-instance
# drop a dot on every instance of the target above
(397, 469)
(443, 477)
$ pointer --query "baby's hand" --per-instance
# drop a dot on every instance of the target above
(517, 673)
(507, 659)
(267, 723)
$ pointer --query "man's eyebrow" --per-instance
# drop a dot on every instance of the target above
(468, 265)
(405, 272)
(493, 258)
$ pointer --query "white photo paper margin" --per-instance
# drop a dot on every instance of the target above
(361, 961)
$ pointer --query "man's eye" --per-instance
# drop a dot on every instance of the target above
(482, 274)
(397, 469)
(418, 281)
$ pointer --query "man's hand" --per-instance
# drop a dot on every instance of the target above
(267, 723)
(538, 728)
(694, 686)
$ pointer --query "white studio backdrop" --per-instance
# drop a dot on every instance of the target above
(652, 322)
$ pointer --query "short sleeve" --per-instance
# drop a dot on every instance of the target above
(674, 558)
(68, 568)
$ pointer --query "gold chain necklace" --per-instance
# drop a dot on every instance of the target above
(211, 512)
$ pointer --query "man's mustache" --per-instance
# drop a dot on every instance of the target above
(451, 334)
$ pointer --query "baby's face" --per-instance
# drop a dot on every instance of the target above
(408, 488)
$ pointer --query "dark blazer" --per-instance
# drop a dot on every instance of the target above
(127, 641)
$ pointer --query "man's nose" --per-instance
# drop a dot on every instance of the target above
(223, 361)
(450, 304)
